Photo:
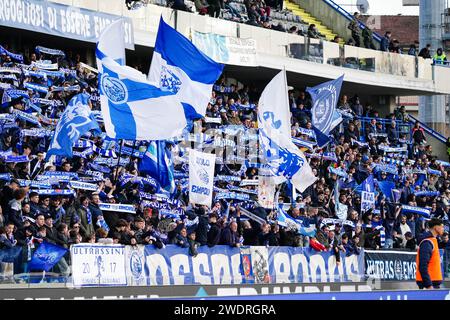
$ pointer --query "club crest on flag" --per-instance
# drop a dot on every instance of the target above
(169, 80)
(322, 116)
(136, 264)
(203, 175)
(114, 89)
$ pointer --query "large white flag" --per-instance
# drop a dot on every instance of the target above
(281, 155)
(132, 107)
(201, 177)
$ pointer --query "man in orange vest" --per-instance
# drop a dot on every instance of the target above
(428, 262)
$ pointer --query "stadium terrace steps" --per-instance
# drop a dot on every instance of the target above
(308, 18)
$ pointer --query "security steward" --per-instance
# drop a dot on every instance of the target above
(428, 262)
(440, 57)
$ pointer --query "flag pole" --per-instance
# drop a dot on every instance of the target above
(118, 162)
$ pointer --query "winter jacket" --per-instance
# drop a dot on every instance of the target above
(214, 235)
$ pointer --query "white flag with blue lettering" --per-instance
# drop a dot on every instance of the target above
(179, 67)
(284, 159)
(134, 108)
(201, 177)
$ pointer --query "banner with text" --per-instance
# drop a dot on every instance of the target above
(98, 265)
(227, 50)
(201, 177)
(60, 20)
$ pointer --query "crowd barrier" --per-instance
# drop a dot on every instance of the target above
(95, 265)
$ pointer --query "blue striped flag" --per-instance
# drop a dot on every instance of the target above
(157, 163)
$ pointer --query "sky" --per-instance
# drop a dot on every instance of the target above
(381, 7)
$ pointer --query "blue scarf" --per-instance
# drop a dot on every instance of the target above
(36, 87)
(52, 52)
(88, 215)
(15, 56)
(232, 195)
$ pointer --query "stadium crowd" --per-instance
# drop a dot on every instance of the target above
(35, 91)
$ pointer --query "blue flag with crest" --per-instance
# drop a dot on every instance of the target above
(135, 107)
(178, 66)
(76, 120)
(325, 98)
(46, 256)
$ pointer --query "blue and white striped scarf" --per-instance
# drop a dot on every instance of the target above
(52, 52)
(427, 193)
(416, 210)
(15, 56)
(36, 87)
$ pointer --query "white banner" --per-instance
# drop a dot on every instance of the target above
(367, 200)
(228, 50)
(83, 185)
(201, 177)
(98, 265)
(135, 265)
(118, 207)
(266, 192)
(249, 182)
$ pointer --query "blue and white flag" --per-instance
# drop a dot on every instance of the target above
(368, 184)
(76, 120)
(284, 160)
(325, 98)
(181, 68)
(157, 162)
(338, 171)
(132, 107)
(201, 177)
(285, 220)
(46, 256)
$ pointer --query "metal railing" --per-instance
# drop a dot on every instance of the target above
(349, 17)
(401, 127)
(428, 130)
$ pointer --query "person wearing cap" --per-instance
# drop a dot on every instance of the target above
(234, 119)
(428, 262)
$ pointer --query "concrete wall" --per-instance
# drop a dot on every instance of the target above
(328, 16)
(392, 70)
